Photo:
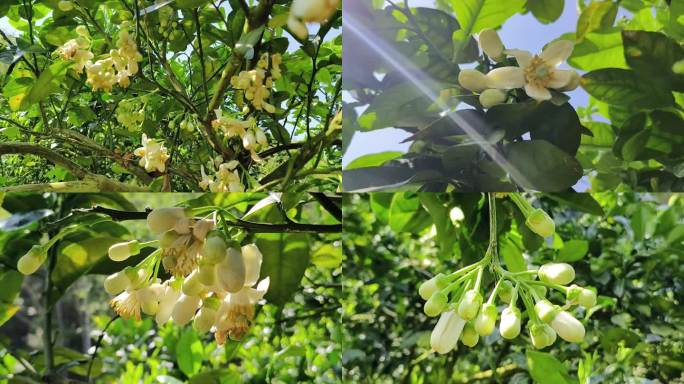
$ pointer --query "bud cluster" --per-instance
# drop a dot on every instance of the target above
(213, 285)
(463, 315)
(130, 113)
(253, 137)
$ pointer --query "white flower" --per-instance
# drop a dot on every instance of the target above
(446, 333)
(556, 273)
(167, 301)
(231, 271)
(237, 311)
(185, 309)
(309, 11)
(567, 327)
(509, 327)
(153, 155)
(470, 304)
(536, 73)
(161, 220)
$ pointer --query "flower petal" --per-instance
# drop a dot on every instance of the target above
(561, 78)
(524, 58)
(537, 93)
(506, 78)
(557, 52)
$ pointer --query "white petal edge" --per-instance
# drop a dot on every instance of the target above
(557, 52)
(524, 58)
(561, 78)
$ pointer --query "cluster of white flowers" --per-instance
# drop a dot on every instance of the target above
(258, 82)
(114, 68)
(226, 179)
(253, 138)
(213, 285)
(153, 154)
(535, 73)
(309, 11)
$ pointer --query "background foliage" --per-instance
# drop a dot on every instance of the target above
(190, 50)
(628, 136)
(628, 246)
(296, 336)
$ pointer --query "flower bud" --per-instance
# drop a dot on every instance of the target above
(446, 333)
(429, 287)
(469, 337)
(582, 296)
(556, 273)
(122, 251)
(82, 31)
(486, 320)
(491, 44)
(231, 271)
(185, 309)
(163, 219)
(117, 283)
(542, 335)
(297, 28)
(192, 286)
(473, 80)
(509, 327)
(214, 250)
(678, 67)
(206, 316)
(492, 97)
(65, 6)
(32, 260)
(506, 291)
(435, 304)
(137, 276)
(567, 327)
(545, 310)
(470, 305)
(540, 223)
(252, 258)
(207, 274)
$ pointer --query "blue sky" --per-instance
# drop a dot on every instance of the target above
(520, 31)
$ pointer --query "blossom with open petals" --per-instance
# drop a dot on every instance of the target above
(537, 74)
(153, 154)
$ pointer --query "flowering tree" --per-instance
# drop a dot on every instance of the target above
(485, 116)
(544, 288)
(200, 271)
(169, 95)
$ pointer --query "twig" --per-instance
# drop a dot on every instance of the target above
(97, 346)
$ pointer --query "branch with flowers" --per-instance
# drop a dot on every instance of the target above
(176, 96)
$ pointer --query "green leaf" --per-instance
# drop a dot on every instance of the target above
(476, 15)
(543, 166)
(651, 55)
(596, 16)
(189, 4)
(10, 281)
(403, 209)
(376, 178)
(16, 91)
(286, 256)
(327, 256)
(374, 159)
(189, 352)
(546, 11)
(623, 87)
(512, 255)
(583, 202)
(602, 135)
(546, 369)
(446, 233)
(598, 50)
(50, 80)
(573, 250)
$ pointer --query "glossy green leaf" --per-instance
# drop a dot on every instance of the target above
(596, 16)
(546, 369)
(543, 166)
(327, 256)
(652, 55)
(189, 353)
(573, 250)
(286, 256)
(598, 50)
(624, 87)
(546, 11)
(374, 159)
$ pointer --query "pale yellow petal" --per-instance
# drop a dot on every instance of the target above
(506, 78)
(560, 78)
(524, 58)
(557, 52)
(537, 93)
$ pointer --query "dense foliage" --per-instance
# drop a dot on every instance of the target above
(628, 247)
(470, 132)
(167, 95)
(56, 324)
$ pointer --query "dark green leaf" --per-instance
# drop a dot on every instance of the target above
(286, 256)
(543, 166)
(625, 88)
(546, 11)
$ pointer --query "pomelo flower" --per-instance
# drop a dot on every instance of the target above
(557, 273)
(226, 179)
(153, 154)
(309, 11)
(537, 74)
(509, 327)
(236, 313)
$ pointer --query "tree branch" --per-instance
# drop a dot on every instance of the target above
(290, 227)
(46, 153)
